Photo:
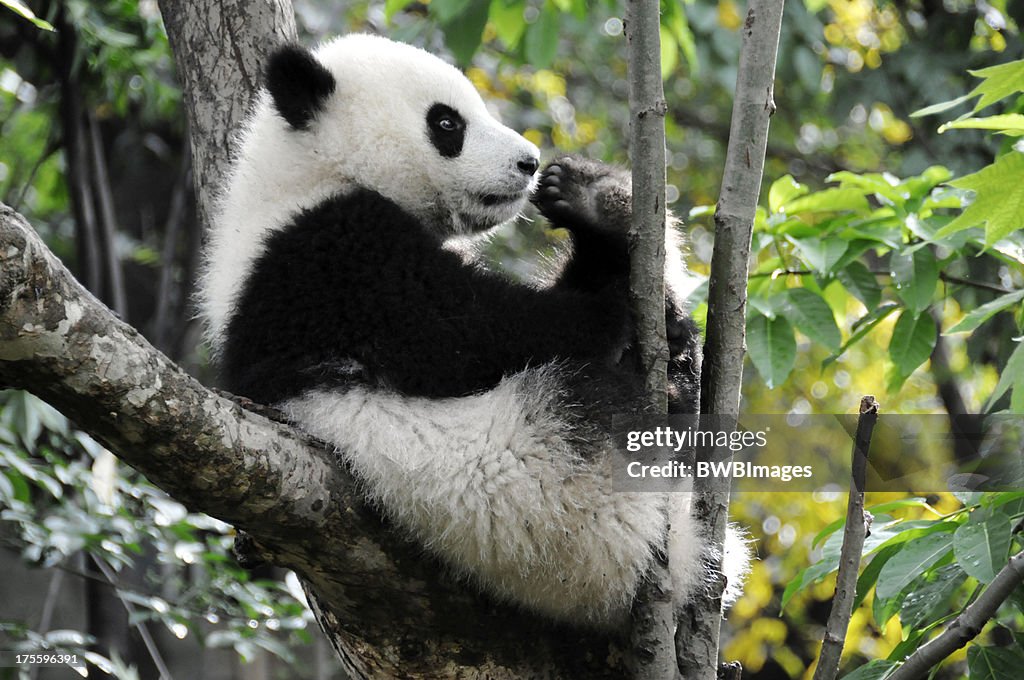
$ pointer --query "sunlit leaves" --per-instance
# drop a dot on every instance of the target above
(978, 316)
(998, 201)
(998, 82)
(19, 7)
(913, 338)
(1008, 124)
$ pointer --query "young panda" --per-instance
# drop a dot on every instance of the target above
(474, 409)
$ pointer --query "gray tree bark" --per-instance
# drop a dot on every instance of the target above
(722, 370)
(653, 615)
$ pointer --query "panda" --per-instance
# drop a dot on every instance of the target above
(474, 409)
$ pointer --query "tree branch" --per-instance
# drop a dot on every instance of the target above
(966, 626)
(390, 610)
(653, 614)
(722, 370)
(857, 523)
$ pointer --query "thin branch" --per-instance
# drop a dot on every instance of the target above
(140, 626)
(653, 613)
(966, 626)
(116, 293)
(857, 523)
(722, 371)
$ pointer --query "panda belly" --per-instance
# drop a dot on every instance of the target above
(492, 484)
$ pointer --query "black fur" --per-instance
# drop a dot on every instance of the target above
(357, 279)
(446, 129)
(298, 84)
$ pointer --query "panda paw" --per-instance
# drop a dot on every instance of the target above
(581, 194)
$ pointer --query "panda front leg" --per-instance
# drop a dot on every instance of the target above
(594, 201)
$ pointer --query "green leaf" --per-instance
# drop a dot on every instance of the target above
(830, 200)
(669, 52)
(393, 7)
(542, 38)
(981, 548)
(998, 199)
(465, 31)
(869, 576)
(915, 276)
(882, 185)
(994, 663)
(999, 82)
(508, 22)
(913, 339)
(820, 254)
(872, 670)
(862, 327)
(861, 283)
(18, 7)
(978, 316)
(772, 348)
(940, 107)
(1007, 124)
(917, 555)
(930, 600)
(1011, 378)
(784, 190)
(813, 317)
(446, 10)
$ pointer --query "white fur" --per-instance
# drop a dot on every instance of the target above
(371, 134)
(491, 483)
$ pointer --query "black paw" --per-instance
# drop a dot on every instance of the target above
(581, 194)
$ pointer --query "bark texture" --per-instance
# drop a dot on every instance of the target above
(390, 610)
(722, 370)
(857, 524)
(653, 615)
(219, 49)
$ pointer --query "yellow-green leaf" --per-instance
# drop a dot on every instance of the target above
(1007, 124)
(999, 82)
(998, 199)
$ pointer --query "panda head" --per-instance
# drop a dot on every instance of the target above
(363, 110)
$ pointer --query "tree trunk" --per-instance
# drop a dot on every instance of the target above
(219, 49)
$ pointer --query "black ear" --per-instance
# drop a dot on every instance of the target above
(298, 84)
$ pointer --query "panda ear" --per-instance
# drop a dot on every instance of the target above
(299, 84)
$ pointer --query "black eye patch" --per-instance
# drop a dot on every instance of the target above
(447, 130)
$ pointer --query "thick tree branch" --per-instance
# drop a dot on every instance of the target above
(966, 626)
(857, 523)
(722, 371)
(390, 610)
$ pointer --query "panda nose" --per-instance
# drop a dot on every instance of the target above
(528, 165)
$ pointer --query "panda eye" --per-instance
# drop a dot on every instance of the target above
(446, 129)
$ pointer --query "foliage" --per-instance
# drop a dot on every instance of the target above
(886, 243)
(62, 494)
